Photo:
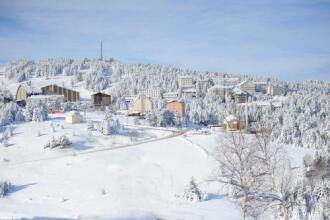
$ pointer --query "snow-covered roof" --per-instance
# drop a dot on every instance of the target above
(31, 89)
(174, 100)
(242, 83)
(238, 91)
(230, 118)
(190, 90)
(45, 96)
(263, 103)
(72, 113)
(184, 76)
(221, 87)
(102, 92)
(170, 93)
(260, 83)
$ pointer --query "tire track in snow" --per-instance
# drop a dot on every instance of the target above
(199, 147)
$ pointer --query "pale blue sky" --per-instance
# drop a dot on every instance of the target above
(287, 39)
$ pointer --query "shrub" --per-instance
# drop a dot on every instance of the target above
(61, 142)
(4, 188)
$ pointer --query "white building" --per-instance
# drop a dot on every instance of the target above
(275, 90)
(247, 86)
(219, 91)
(189, 93)
(232, 81)
(260, 87)
(170, 95)
(185, 82)
(151, 93)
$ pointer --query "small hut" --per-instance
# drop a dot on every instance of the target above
(73, 117)
(231, 123)
(100, 100)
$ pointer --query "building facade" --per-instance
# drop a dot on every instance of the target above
(275, 90)
(141, 105)
(24, 91)
(151, 93)
(69, 95)
(231, 123)
(170, 95)
(176, 106)
(230, 81)
(185, 82)
(100, 99)
(247, 86)
(219, 91)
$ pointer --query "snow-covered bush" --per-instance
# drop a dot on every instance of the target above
(61, 142)
(109, 125)
(36, 111)
(4, 188)
(5, 94)
(152, 119)
(192, 193)
(9, 113)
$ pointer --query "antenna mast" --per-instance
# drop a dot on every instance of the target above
(101, 51)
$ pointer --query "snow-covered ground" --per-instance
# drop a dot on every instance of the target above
(96, 178)
(112, 177)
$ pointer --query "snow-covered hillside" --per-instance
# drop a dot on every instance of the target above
(161, 166)
(137, 181)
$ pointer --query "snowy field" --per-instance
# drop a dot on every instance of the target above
(98, 179)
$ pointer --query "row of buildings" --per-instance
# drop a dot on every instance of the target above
(224, 88)
(142, 105)
(26, 91)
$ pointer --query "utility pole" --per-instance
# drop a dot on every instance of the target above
(101, 51)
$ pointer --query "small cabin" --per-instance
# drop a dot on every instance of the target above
(74, 117)
(100, 100)
(177, 106)
(231, 123)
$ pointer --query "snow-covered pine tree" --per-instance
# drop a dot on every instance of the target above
(192, 193)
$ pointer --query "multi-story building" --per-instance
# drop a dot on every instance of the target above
(275, 90)
(189, 92)
(232, 81)
(185, 82)
(170, 95)
(177, 106)
(239, 95)
(219, 91)
(260, 87)
(247, 86)
(141, 105)
(151, 93)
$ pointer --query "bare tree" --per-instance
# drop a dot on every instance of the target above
(280, 184)
(238, 168)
